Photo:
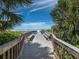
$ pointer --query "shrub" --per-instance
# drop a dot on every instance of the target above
(8, 36)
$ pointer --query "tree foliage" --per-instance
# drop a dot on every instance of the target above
(7, 18)
(66, 16)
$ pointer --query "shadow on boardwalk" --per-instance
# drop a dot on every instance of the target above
(35, 51)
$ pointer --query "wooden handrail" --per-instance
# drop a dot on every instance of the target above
(61, 48)
(12, 49)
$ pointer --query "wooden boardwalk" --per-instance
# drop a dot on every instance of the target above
(38, 48)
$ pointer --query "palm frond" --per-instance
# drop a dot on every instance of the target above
(14, 3)
(9, 19)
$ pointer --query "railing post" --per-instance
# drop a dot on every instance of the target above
(56, 51)
(9, 54)
(17, 49)
(12, 53)
(4, 56)
(1, 56)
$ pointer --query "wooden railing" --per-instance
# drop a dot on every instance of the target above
(11, 50)
(64, 50)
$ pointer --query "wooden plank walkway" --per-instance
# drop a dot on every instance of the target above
(38, 48)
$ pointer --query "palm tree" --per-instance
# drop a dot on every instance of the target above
(7, 18)
(66, 16)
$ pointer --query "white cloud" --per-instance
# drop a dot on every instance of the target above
(33, 24)
(39, 3)
(39, 8)
(42, 4)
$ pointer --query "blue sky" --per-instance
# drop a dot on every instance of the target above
(37, 15)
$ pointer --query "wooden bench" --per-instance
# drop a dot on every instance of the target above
(30, 38)
(48, 35)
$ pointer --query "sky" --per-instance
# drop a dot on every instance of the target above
(37, 15)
